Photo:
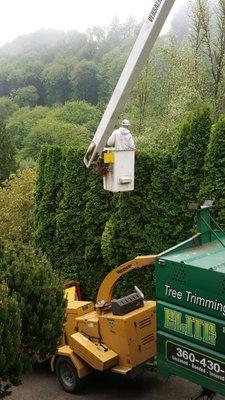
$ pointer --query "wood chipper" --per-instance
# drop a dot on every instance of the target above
(111, 335)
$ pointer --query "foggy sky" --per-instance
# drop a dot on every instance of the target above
(19, 17)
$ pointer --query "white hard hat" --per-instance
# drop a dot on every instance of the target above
(126, 122)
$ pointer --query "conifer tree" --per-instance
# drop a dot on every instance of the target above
(70, 221)
(10, 339)
(41, 301)
(96, 213)
(126, 233)
(189, 160)
(49, 185)
(7, 154)
(161, 204)
(40, 181)
(213, 185)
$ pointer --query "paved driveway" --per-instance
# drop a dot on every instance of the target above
(41, 384)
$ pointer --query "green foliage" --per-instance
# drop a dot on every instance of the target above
(40, 181)
(110, 68)
(167, 90)
(87, 67)
(85, 81)
(213, 185)
(53, 132)
(96, 213)
(7, 108)
(208, 19)
(161, 204)
(78, 113)
(91, 232)
(7, 155)
(71, 212)
(40, 297)
(190, 155)
(25, 96)
(63, 126)
(55, 79)
(10, 339)
(126, 236)
(22, 121)
(130, 214)
(49, 186)
(70, 223)
(17, 208)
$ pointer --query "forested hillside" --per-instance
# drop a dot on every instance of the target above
(43, 71)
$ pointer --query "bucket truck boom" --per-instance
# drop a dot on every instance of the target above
(140, 52)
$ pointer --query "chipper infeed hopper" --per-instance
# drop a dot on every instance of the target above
(191, 307)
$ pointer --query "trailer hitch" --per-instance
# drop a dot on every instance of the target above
(205, 394)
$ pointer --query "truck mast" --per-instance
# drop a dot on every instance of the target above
(139, 54)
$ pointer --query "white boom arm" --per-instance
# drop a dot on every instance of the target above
(140, 52)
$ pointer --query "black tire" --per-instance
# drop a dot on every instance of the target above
(67, 375)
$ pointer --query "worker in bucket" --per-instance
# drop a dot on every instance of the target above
(122, 138)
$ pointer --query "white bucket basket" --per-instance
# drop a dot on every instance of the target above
(120, 177)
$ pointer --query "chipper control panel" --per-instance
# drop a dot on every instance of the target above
(191, 307)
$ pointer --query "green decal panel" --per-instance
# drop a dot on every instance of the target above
(198, 328)
(176, 356)
(195, 361)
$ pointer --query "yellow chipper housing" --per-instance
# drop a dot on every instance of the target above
(111, 335)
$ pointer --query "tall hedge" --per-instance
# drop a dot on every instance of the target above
(189, 160)
(213, 185)
(126, 233)
(96, 213)
(70, 220)
(49, 185)
(161, 205)
(40, 182)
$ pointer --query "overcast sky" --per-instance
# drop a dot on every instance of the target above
(19, 17)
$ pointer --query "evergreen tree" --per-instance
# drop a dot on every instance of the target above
(70, 229)
(126, 233)
(161, 204)
(213, 185)
(96, 213)
(49, 185)
(40, 182)
(189, 160)
(40, 297)
(10, 340)
(7, 155)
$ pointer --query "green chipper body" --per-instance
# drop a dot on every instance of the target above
(190, 281)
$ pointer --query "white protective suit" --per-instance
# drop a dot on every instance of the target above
(121, 139)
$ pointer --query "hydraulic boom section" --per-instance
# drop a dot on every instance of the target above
(140, 52)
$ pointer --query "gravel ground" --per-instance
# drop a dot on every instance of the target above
(41, 384)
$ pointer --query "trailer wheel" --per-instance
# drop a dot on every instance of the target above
(67, 375)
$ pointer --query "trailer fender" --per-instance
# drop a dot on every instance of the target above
(81, 367)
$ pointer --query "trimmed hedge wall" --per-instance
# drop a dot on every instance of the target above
(189, 161)
(49, 190)
(86, 231)
(213, 186)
